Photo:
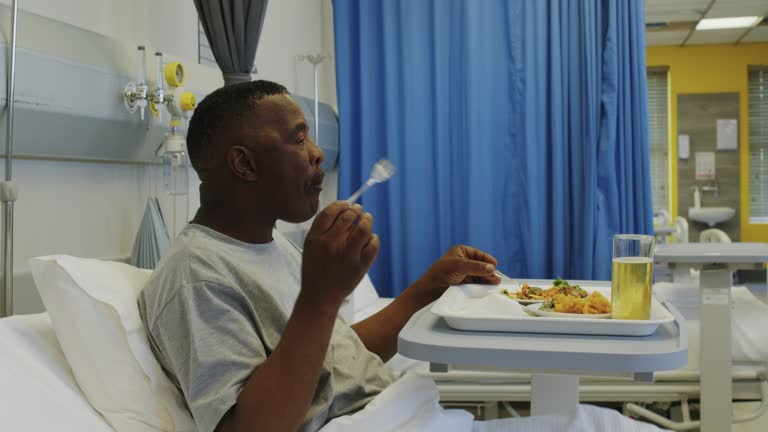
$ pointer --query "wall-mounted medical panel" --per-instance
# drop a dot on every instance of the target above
(69, 85)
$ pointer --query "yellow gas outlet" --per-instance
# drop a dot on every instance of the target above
(188, 101)
(174, 74)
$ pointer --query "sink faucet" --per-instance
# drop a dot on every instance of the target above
(711, 187)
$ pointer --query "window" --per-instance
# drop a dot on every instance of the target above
(758, 144)
(204, 53)
(658, 136)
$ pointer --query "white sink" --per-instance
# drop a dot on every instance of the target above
(711, 215)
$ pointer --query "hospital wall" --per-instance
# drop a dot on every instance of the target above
(93, 209)
(712, 69)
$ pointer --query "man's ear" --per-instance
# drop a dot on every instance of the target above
(242, 162)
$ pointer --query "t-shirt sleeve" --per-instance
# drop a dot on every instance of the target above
(207, 337)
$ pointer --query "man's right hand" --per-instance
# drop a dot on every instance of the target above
(338, 250)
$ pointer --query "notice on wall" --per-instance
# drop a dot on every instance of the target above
(683, 147)
(705, 165)
(727, 134)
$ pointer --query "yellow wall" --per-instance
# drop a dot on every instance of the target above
(713, 69)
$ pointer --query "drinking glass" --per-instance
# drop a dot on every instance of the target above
(632, 277)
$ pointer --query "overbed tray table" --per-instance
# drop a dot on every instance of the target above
(717, 262)
(555, 360)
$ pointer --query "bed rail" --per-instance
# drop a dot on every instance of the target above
(631, 408)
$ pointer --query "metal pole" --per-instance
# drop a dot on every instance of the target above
(317, 113)
(315, 60)
(6, 301)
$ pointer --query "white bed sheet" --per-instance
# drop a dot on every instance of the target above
(37, 389)
(412, 404)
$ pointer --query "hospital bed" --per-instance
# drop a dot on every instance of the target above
(38, 390)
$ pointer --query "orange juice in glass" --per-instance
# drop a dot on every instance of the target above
(632, 277)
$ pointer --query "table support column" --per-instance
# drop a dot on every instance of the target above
(715, 360)
(554, 394)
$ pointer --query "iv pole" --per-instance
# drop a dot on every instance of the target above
(315, 59)
(8, 192)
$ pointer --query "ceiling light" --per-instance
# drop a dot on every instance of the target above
(728, 23)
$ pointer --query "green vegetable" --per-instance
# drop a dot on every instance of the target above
(559, 282)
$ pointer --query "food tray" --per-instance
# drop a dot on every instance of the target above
(484, 308)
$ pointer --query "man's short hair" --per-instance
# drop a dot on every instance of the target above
(222, 109)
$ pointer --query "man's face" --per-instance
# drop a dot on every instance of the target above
(290, 177)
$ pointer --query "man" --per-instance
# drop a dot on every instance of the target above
(244, 326)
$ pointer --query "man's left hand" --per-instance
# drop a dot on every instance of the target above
(459, 265)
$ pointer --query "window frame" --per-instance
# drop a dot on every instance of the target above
(204, 52)
(758, 141)
(660, 172)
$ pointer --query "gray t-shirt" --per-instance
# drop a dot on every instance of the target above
(216, 308)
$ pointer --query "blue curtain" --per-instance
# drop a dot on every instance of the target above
(516, 126)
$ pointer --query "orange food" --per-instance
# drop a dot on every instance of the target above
(594, 304)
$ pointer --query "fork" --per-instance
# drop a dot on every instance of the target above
(502, 275)
(381, 172)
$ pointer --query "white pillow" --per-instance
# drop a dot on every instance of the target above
(93, 309)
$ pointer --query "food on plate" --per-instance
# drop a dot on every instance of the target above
(526, 292)
(559, 287)
(593, 304)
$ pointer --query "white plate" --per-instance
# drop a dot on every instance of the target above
(527, 302)
(524, 302)
(484, 308)
(536, 310)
